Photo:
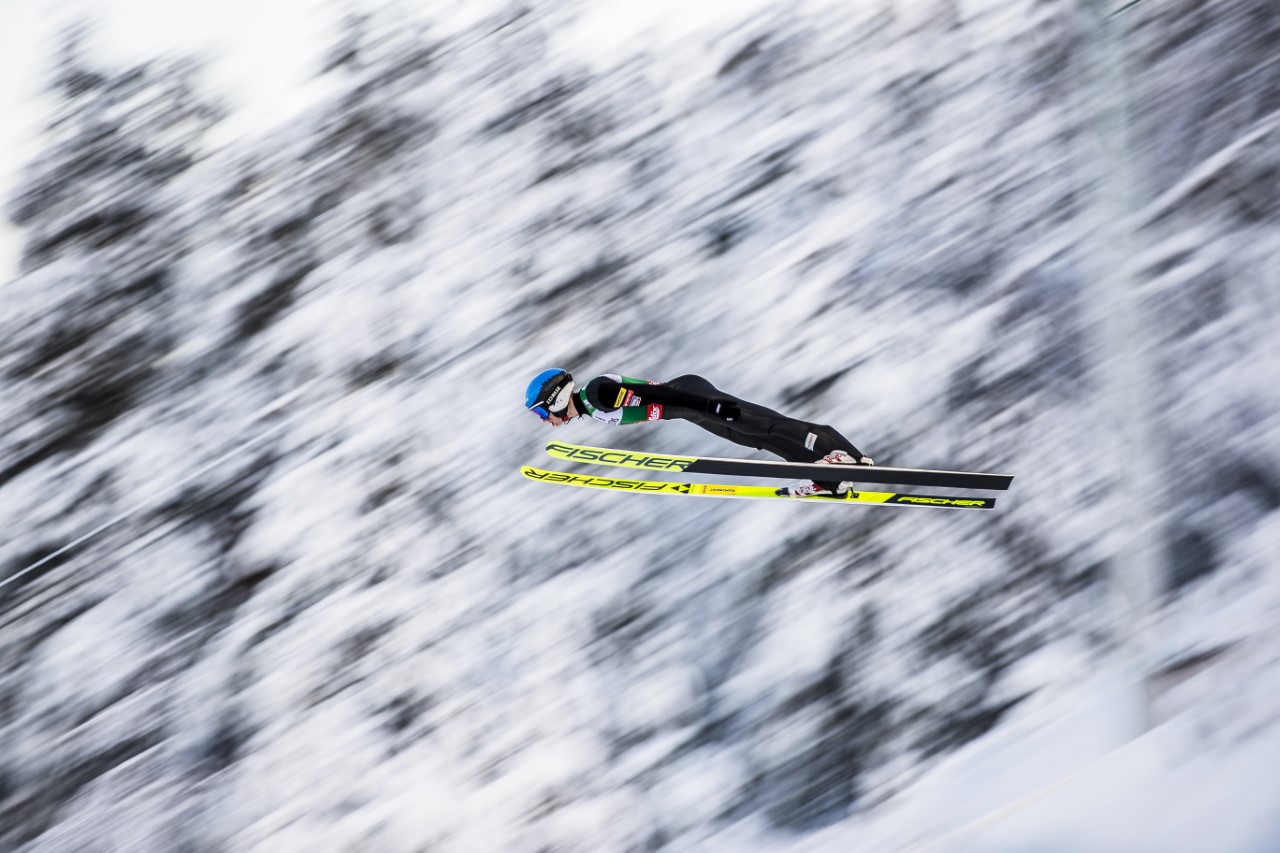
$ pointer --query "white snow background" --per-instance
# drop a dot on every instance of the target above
(272, 350)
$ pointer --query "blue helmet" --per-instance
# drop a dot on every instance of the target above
(548, 394)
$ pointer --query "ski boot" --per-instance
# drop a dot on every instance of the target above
(814, 488)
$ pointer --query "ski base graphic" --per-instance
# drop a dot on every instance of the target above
(727, 490)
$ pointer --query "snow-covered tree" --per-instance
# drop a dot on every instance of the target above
(91, 316)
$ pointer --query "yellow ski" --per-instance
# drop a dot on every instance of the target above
(879, 474)
(725, 490)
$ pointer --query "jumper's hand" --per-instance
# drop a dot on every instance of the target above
(726, 409)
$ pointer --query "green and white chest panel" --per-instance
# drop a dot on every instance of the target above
(630, 407)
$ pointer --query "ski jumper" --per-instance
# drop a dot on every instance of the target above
(616, 399)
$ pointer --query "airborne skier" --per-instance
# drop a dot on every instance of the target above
(615, 399)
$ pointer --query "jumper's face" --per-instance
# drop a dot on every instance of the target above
(564, 417)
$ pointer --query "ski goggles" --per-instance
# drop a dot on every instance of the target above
(555, 399)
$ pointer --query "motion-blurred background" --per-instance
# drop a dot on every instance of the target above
(275, 276)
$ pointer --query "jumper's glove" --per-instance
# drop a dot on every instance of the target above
(726, 409)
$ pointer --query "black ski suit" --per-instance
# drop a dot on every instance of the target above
(694, 399)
